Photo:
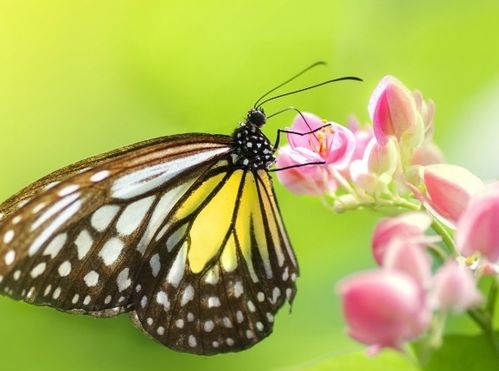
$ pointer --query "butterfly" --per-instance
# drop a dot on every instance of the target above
(182, 232)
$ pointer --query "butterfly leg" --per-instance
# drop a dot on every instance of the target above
(279, 131)
(298, 165)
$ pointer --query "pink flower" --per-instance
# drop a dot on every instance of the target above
(478, 227)
(394, 113)
(449, 189)
(384, 308)
(335, 144)
(312, 179)
(409, 226)
(454, 289)
(331, 147)
(409, 256)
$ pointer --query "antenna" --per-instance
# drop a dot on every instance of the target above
(319, 63)
(307, 88)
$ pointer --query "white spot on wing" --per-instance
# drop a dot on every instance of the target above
(212, 276)
(151, 177)
(68, 190)
(64, 269)
(103, 216)
(175, 237)
(57, 293)
(238, 289)
(55, 246)
(101, 175)
(91, 278)
(133, 216)
(187, 295)
(54, 209)
(162, 299)
(8, 236)
(123, 280)
(155, 264)
(38, 270)
(213, 301)
(209, 326)
(56, 223)
(177, 269)
(83, 243)
(160, 212)
(10, 257)
(111, 251)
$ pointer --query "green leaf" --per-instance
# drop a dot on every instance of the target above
(387, 360)
(460, 352)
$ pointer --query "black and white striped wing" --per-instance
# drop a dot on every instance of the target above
(221, 269)
(75, 239)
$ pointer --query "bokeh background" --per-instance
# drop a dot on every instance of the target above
(78, 78)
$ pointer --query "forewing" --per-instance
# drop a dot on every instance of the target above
(75, 239)
(221, 269)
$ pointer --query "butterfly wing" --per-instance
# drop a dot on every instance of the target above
(221, 269)
(74, 240)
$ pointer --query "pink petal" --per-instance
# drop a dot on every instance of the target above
(311, 179)
(410, 257)
(478, 227)
(449, 189)
(305, 124)
(406, 226)
(454, 289)
(384, 308)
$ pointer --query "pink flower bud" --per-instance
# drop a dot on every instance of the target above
(410, 257)
(427, 110)
(454, 289)
(382, 159)
(409, 226)
(362, 178)
(334, 144)
(478, 227)
(428, 154)
(449, 189)
(384, 308)
(394, 113)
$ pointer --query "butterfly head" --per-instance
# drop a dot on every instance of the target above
(256, 116)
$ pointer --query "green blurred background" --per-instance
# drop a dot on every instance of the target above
(78, 78)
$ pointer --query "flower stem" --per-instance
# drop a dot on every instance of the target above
(446, 237)
(491, 298)
(484, 321)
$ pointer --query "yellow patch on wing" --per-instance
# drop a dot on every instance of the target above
(229, 256)
(269, 207)
(248, 214)
(211, 225)
(197, 197)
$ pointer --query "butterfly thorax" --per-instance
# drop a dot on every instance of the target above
(250, 148)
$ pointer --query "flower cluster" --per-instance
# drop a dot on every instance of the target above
(446, 237)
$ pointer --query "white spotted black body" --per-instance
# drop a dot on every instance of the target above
(251, 149)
